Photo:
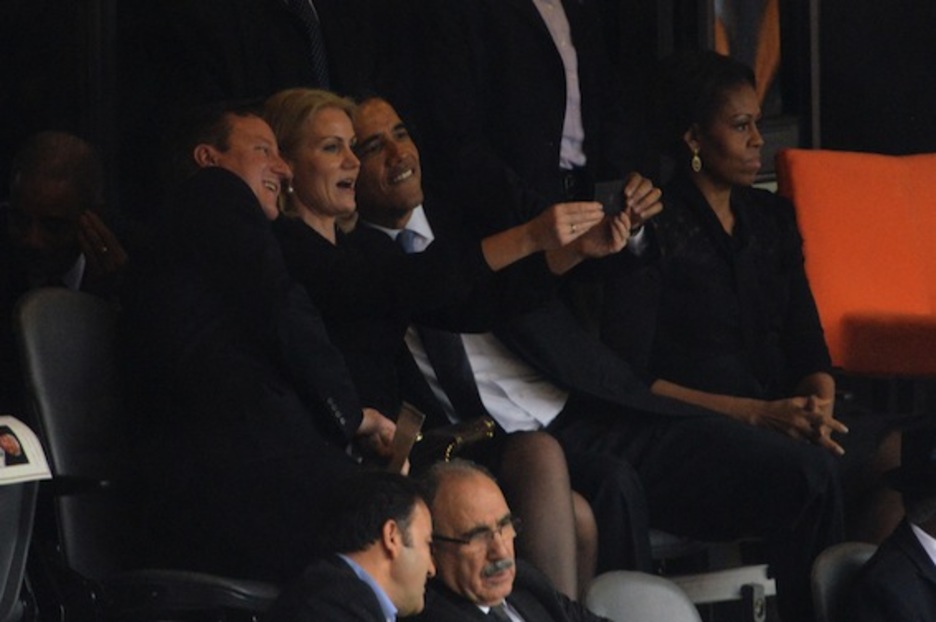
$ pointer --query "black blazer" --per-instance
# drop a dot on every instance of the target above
(533, 596)
(244, 406)
(729, 314)
(329, 590)
(897, 583)
(370, 291)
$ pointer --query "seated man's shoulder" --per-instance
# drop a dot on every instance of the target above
(328, 589)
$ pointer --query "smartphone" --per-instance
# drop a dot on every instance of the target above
(611, 196)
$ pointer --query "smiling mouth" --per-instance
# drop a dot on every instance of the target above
(402, 176)
(272, 186)
(346, 184)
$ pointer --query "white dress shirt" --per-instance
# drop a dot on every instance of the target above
(515, 394)
(571, 153)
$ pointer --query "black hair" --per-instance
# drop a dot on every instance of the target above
(690, 88)
(208, 124)
(361, 504)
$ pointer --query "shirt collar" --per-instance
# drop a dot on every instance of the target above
(72, 278)
(417, 222)
(927, 541)
(386, 605)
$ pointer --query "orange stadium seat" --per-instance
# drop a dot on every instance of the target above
(869, 230)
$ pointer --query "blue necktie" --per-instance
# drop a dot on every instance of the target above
(446, 353)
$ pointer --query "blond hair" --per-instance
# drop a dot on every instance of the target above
(287, 111)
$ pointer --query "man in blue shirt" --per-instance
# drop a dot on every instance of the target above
(380, 532)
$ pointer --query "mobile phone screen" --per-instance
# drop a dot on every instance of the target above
(611, 196)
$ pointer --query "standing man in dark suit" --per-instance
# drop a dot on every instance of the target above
(899, 581)
(478, 576)
(390, 200)
(526, 108)
(379, 532)
(249, 409)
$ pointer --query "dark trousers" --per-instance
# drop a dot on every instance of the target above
(713, 478)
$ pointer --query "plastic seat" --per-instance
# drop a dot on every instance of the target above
(629, 596)
(719, 573)
(67, 344)
(873, 285)
(832, 574)
(17, 508)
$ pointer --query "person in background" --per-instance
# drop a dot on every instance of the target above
(53, 223)
(54, 236)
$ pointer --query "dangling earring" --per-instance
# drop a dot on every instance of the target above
(696, 162)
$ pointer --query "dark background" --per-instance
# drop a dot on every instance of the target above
(63, 63)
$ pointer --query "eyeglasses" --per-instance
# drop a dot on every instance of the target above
(482, 537)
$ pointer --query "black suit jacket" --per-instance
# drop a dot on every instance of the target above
(329, 590)
(532, 596)
(897, 583)
(245, 406)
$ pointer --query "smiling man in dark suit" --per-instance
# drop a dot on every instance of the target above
(702, 474)
(233, 368)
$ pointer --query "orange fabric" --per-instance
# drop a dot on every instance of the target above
(869, 231)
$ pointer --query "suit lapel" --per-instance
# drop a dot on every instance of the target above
(528, 606)
(908, 542)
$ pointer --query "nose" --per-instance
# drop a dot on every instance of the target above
(757, 139)
(432, 569)
(500, 546)
(351, 160)
(393, 149)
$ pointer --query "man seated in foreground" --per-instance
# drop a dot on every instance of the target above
(478, 576)
(380, 532)
(899, 582)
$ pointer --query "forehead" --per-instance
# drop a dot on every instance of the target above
(43, 197)
(740, 99)
(467, 501)
(328, 120)
(375, 116)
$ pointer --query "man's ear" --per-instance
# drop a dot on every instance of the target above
(392, 538)
(205, 155)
